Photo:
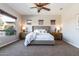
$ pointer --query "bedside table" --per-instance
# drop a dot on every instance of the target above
(22, 35)
(57, 35)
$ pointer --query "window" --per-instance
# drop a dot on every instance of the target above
(7, 22)
(52, 22)
(41, 22)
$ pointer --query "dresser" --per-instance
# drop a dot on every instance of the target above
(57, 35)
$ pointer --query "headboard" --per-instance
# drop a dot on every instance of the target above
(41, 27)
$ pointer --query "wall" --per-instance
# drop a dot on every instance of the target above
(46, 19)
(70, 30)
(4, 40)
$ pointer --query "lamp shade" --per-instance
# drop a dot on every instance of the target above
(23, 28)
(58, 28)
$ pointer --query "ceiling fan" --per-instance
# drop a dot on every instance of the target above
(41, 6)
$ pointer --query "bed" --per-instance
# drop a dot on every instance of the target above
(40, 35)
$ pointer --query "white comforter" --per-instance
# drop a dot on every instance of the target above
(34, 36)
(44, 36)
(29, 37)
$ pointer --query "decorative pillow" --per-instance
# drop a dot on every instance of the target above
(36, 31)
(40, 31)
(43, 31)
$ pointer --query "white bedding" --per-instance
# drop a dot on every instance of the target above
(45, 36)
(35, 36)
(29, 37)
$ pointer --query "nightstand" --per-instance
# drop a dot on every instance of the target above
(22, 35)
(57, 35)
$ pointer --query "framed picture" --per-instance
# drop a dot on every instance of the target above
(52, 22)
(29, 22)
(41, 22)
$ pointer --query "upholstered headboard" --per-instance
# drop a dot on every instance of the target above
(41, 27)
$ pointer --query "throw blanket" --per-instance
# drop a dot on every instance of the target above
(29, 37)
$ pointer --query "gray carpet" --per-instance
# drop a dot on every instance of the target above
(59, 49)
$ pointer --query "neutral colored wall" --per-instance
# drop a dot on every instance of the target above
(9, 39)
(46, 19)
(70, 30)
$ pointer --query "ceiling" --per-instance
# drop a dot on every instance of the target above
(24, 8)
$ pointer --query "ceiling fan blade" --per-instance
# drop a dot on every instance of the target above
(33, 7)
(44, 4)
(36, 4)
(41, 4)
(46, 8)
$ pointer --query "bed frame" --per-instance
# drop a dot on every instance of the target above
(36, 42)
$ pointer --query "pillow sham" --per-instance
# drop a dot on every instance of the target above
(36, 31)
(40, 31)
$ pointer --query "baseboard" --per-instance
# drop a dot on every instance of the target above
(8, 43)
(77, 46)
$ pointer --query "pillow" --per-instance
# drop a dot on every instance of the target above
(43, 31)
(36, 31)
(40, 31)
